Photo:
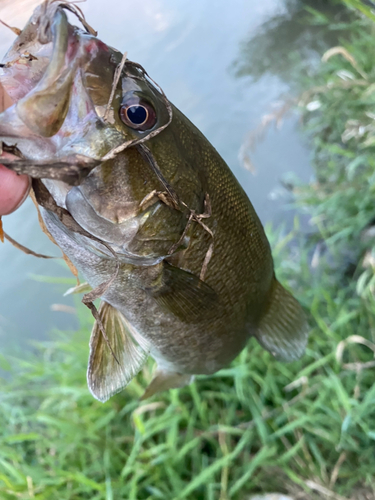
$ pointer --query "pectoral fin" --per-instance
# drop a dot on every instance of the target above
(164, 380)
(283, 329)
(183, 294)
(106, 376)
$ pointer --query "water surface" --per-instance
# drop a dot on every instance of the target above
(195, 51)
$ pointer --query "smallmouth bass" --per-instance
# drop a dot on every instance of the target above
(144, 207)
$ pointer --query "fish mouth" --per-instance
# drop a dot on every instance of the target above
(61, 82)
(53, 115)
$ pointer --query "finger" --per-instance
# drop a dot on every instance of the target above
(13, 190)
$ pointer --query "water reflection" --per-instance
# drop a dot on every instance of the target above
(286, 45)
(285, 48)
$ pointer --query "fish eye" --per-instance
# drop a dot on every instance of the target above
(138, 114)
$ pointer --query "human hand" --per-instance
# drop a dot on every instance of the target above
(13, 189)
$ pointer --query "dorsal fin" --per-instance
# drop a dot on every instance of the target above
(106, 376)
(283, 328)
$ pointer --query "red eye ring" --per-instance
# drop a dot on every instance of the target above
(138, 114)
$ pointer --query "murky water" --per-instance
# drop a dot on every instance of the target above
(203, 55)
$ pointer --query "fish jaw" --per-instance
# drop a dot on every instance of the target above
(54, 115)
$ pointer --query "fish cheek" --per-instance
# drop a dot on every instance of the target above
(117, 187)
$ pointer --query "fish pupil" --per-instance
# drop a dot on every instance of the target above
(137, 114)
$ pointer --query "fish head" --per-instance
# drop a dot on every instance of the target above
(74, 102)
(44, 72)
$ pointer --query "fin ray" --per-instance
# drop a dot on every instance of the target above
(106, 377)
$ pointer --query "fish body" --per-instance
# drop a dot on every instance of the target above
(160, 225)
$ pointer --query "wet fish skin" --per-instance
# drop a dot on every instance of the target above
(157, 304)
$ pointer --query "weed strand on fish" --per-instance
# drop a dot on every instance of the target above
(116, 78)
(24, 249)
(17, 31)
(48, 10)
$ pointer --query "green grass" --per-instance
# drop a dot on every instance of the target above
(241, 431)
(307, 428)
(238, 432)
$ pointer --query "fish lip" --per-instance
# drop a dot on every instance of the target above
(26, 123)
(25, 119)
(45, 107)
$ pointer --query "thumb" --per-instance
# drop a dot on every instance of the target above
(13, 190)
